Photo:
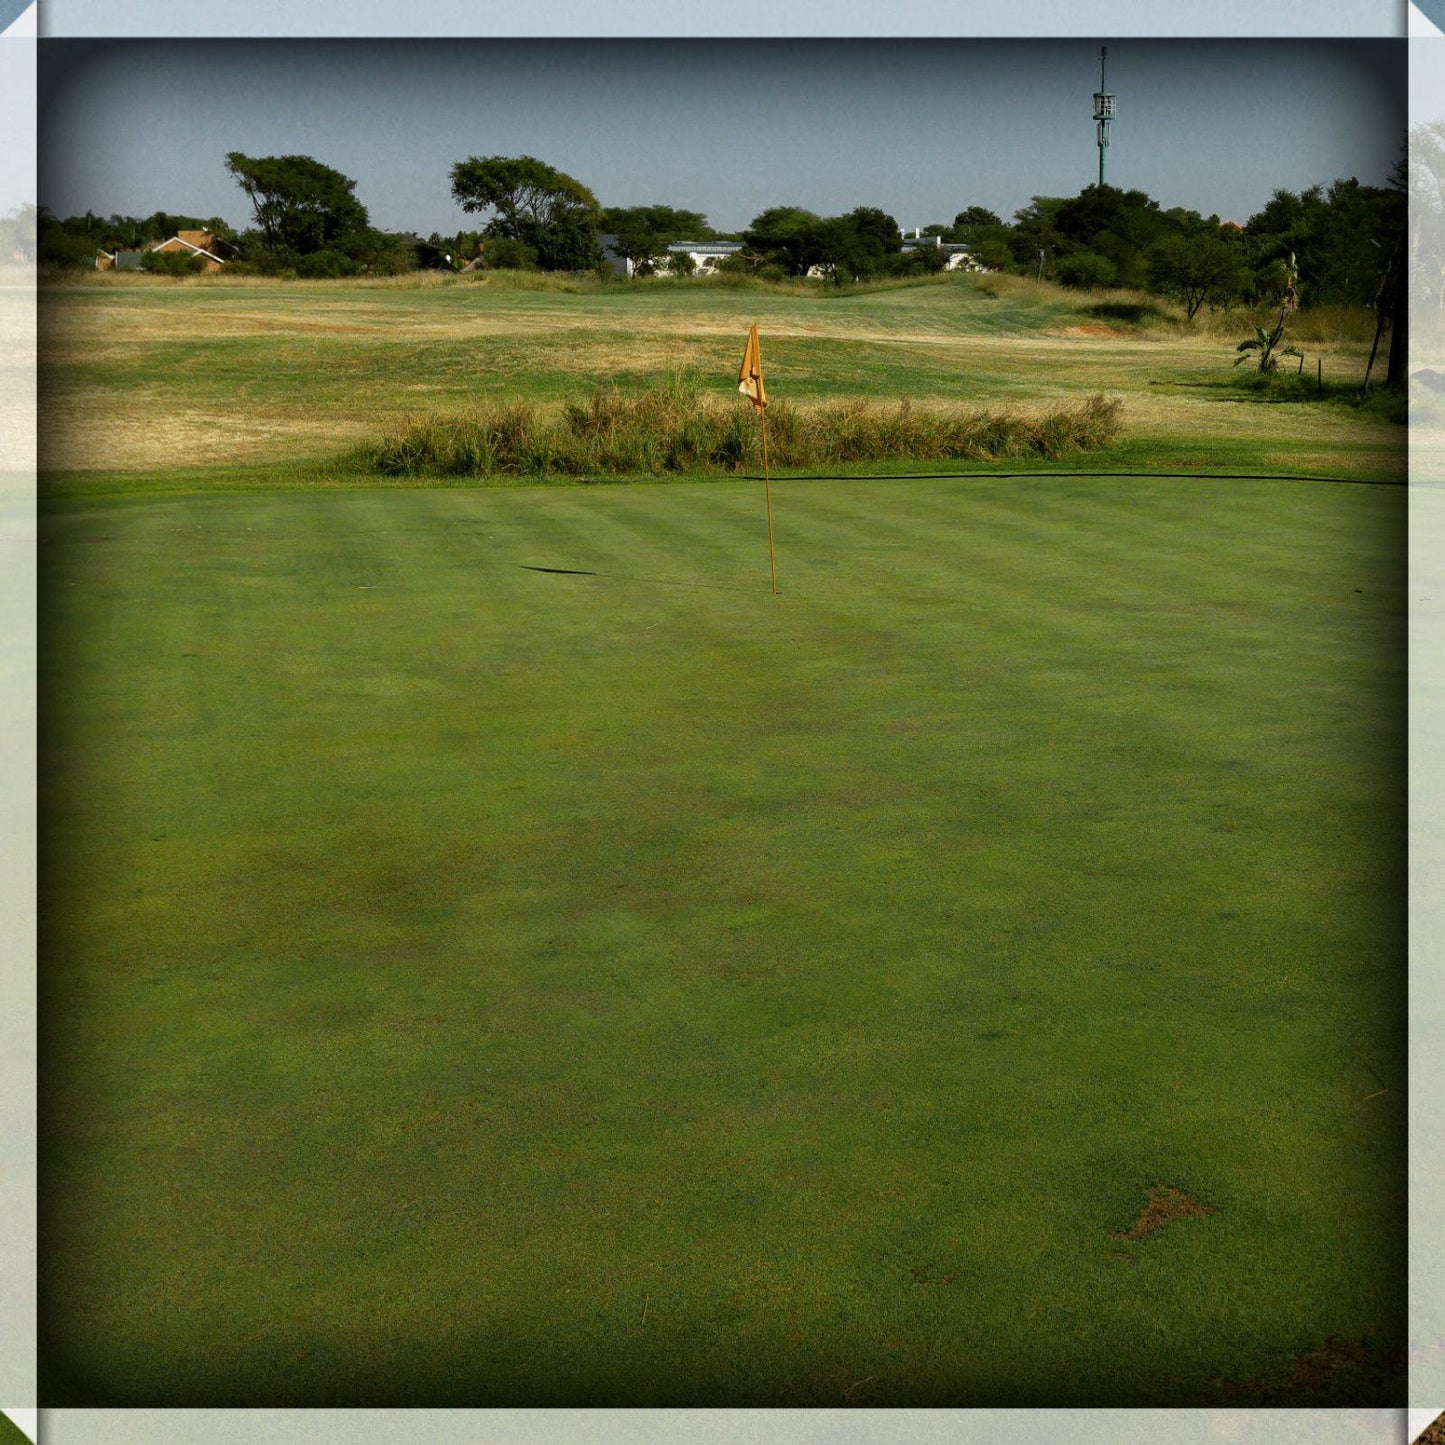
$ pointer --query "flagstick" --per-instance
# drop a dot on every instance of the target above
(768, 495)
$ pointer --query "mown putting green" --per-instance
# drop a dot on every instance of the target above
(496, 953)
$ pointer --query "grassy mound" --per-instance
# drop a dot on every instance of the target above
(677, 428)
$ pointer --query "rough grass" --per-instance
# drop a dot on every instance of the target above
(1295, 385)
(679, 428)
(147, 376)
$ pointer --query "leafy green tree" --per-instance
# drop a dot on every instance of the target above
(569, 243)
(1339, 236)
(975, 216)
(1086, 268)
(61, 246)
(504, 253)
(300, 205)
(857, 245)
(532, 202)
(1196, 268)
(780, 237)
(1034, 230)
(1119, 225)
(645, 232)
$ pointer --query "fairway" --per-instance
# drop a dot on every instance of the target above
(188, 379)
(495, 953)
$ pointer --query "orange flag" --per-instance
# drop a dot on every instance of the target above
(750, 377)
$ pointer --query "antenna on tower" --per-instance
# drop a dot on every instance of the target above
(1104, 109)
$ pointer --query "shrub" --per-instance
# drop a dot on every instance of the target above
(1086, 268)
(678, 428)
(503, 253)
(327, 266)
(172, 263)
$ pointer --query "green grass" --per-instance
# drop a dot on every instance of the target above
(11, 1433)
(473, 984)
(182, 377)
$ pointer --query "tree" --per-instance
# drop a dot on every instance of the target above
(502, 253)
(1195, 268)
(1084, 269)
(1116, 224)
(1426, 183)
(17, 234)
(779, 236)
(530, 201)
(1396, 287)
(975, 216)
(569, 243)
(1034, 230)
(645, 232)
(301, 205)
(856, 245)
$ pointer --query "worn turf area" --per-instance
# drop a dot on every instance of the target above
(495, 952)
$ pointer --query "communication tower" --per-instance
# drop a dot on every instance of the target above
(1104, 109)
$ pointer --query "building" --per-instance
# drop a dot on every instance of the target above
(706, 255)
(960, 256)
(206, 244)
(612, 259)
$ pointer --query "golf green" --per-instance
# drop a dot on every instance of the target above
(494, 952)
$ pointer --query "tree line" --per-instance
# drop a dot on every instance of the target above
(308, 221)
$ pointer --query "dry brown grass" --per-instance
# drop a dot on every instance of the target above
(147, 373)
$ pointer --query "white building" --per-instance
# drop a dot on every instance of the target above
(705, 254)
(960, 256)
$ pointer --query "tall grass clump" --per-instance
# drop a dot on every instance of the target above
(676, 428)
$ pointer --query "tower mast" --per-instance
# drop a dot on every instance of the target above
(1103, 112)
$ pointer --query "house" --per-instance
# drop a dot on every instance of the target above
(200, 243)
(960, 256)
(196, 243)
(118, 260)
(706, 255)
(612, 259)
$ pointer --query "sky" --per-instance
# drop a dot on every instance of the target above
(920, 128)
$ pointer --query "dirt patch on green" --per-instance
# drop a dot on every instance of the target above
(1166, 1204)
(1337, 1372)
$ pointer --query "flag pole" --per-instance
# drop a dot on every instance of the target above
(750, 383)
(768, 497)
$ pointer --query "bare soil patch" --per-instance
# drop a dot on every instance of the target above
(1166, 1204)
(1337, 1371)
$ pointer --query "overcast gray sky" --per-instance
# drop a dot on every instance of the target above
(920, 128)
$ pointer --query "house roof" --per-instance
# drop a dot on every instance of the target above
(193, 249)
(714, 248)
(914, 243)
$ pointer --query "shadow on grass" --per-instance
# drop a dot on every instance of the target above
(620, 577)
(1252, 388)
